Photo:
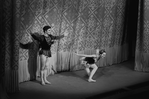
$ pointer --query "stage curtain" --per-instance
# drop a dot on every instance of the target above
(9, 44)
(142, 43)
(3, 92)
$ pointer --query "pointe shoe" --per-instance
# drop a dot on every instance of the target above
(91, 80)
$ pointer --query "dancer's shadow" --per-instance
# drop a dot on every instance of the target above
(72, 72)
(101, 71)
(32, 48)
(77, 73)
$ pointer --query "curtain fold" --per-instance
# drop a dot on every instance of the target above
(3, 93)
(10, 45)
(142, 43)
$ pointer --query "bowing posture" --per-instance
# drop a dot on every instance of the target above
(89, 62)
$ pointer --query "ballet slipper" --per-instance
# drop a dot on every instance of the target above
(91, 80)
(43, 83)
(47, 82)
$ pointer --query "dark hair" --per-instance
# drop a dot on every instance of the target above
(45, 28)
(102, 51)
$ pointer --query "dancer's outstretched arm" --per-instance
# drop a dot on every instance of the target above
(36, 36)
(59, 37)
(84, 55)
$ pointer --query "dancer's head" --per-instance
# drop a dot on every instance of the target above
(47, 29)
(101, 52)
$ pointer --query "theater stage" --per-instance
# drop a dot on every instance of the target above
(118, 81)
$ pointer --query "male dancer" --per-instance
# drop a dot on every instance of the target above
(45, 42)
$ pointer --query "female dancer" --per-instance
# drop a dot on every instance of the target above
(89, 62)
(45, 42)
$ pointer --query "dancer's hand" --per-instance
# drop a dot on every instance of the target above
(83, 62)
(87, 65)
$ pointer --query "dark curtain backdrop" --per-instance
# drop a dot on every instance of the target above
(142, 40)
(3, 93)
(91, 24)
(9, 45)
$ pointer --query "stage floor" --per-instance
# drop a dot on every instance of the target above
(112, 82)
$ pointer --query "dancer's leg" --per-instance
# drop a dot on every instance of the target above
(45, 77)
(87, 66)
(94, 66)
(43, 60)
(46, 70)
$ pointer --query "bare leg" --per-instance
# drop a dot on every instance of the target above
(94, 66)
(43, 60)
(86, 66)
(45, 77)
(45, 71)
(87, 71)
(41, 76)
